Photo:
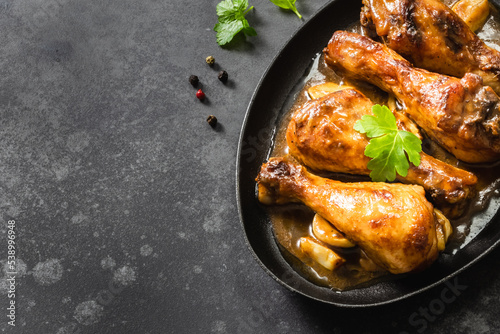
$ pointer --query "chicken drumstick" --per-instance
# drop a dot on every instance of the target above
(462, 115)
(432, 36)
(321, 135)
(393, 223)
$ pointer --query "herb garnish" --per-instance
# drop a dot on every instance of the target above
(232, 20)
(388, 145)
(287, 4)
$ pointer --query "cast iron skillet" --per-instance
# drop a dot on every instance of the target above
(269, 102)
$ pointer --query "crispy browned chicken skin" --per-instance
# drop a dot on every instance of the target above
(321, 135)
(393, 223)
(431, 36)
(460, 114)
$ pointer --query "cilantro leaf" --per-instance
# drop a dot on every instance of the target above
(374, 126)
(248, 30)
(287, 4)
(389, 148)
(227, 30)
(231, 20)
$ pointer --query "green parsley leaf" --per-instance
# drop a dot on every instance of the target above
(287, 4)
(388, 145)
(231, 20)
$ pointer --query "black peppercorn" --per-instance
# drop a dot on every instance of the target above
(223, 76)
(193, 80)
(212, 120)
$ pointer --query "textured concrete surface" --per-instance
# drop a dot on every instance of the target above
(124, 198)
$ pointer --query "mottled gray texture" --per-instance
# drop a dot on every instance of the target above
(48, 272)
(123, 195)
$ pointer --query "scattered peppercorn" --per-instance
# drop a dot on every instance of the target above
(210, 60)
(212, 120)
(193, 80)
(200, 95)
(223, 76)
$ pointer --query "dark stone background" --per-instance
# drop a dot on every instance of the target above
(124, 197)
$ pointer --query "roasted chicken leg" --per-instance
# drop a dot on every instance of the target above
(461, 115)
(432, 36)
(393, 223)
(321, 135)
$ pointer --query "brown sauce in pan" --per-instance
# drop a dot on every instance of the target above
(291, 222)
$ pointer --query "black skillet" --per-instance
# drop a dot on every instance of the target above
(270, 100)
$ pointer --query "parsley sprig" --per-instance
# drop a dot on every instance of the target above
(287, 4)
(232, 20)
(388, 145)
